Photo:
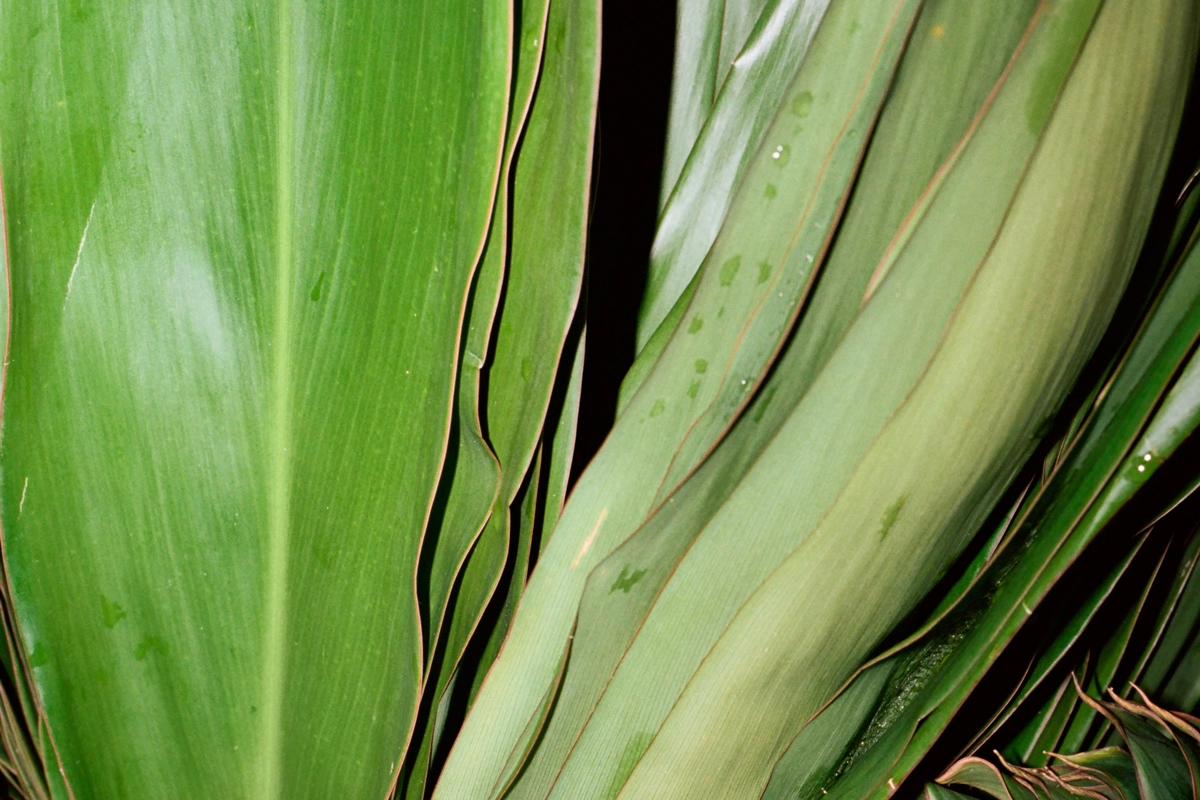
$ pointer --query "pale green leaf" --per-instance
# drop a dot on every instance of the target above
(733, 132)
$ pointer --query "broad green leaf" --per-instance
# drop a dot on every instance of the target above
(941, 84)
(913, 139)
(616, 491)
(647, 357)
(753, 94)
(240, 242)
(1062, 522)
(903, 168)
(753, 286)
(496, 597)
(550, 193)
(739, 20)
(821, 447)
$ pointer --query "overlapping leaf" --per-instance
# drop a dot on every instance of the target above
(1101, 471)
(663, 645)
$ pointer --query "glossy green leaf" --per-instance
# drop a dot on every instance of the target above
(1170, 672)
(1183, 690)
(240, 243)
(750, 97)
(550, 196)
(920, 137)
(1108, 665)
(1111, 670)
(814, 756)
(693, 82)
(941, 84)
(708, 34)
(550, 200)
(913, 139)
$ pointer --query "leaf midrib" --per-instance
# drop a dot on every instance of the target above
(279, 411)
